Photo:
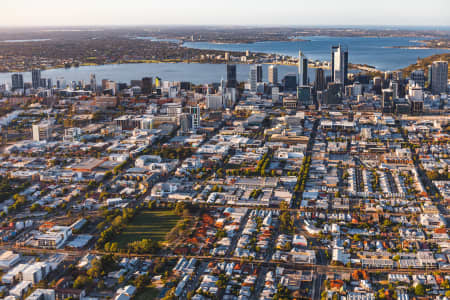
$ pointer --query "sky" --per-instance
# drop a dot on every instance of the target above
(19, 13)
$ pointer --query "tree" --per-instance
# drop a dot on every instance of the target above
(285, 219)
(151, 204)
(284, 205)
(35, 207)
(96, 269)
(101, 284)
(114, 247)
(419, 289)
(381, 294)
(81, 282)
(108, 174)
(179, 208)
(121, 279)
(170, 295)
(106, 263)
(143, 246)
(141, 281)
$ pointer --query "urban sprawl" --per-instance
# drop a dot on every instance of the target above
(332, 187)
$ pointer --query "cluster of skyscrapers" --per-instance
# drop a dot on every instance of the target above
(300, 82)
(330, 86)
(36, 81)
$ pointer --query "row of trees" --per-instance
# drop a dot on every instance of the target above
(19, 202)
(143, 246)
(286, 222)
(436, 175)
(99, 267)
(118, 220)
(301, 178)
(263, 164)
(8, 188)
(173, 153)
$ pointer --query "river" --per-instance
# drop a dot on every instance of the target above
(195, 73)
(378, 52)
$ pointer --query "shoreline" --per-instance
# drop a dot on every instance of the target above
(416, 47)
(357, 66)
(247, 42)
(183, 45)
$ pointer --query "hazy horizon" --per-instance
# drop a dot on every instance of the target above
(52, 13)
(331, 26)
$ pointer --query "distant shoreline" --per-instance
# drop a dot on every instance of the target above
(361, 67)
(251, 42)
(416, 47)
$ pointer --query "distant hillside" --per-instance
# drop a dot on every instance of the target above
(423, 63)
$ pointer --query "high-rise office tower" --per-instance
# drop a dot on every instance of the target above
(17, 81)
(430, 73)
(43, 83)
(253, 77)
(302, 69)
(49, 83)
(320, 83)
(35, 78)
(439, 77)
(195, 117)
(93, 83)
(231, 76)
(333, 94)
(185, 122)
(275, 94)
(147, 85)
(273, 74)
(158, 82)
(377, 84)
(109, 86)
(289, 82)
(259, 73)
(388, 75)
(395, 86)
(387, 101)
(339, 64)
(418, 76)
(304, 95)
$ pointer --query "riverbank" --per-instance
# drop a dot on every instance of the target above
(361, 67)
(196, 73)
(417, 47)
(425, 62)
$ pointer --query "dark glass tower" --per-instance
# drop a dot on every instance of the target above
(231, 76)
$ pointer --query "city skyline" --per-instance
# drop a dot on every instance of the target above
(224, 162)
(288, 12)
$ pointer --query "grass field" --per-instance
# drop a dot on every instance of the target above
(147, 293)
(148, 224)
